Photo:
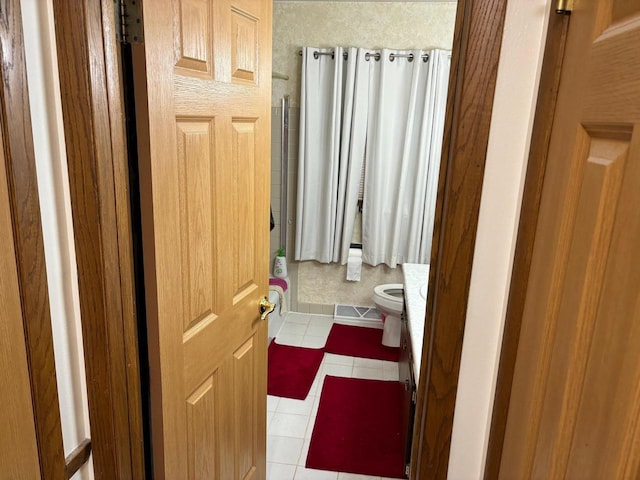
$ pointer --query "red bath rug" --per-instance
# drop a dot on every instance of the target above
(358, 428)
(292, 370)
(359, 342)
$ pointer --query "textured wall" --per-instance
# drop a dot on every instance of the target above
(326, 284)
(400, 25)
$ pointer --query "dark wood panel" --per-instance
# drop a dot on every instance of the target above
(122, 194)
(25, 210)
(476, 52)
(93, 121)
(541, 135)
(77, 458)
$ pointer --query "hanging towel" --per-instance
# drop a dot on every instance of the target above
(281, 282)
(283, 302)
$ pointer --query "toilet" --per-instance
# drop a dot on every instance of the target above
(389, 300)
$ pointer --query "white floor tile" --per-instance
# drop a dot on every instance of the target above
(355, 476)
(282, 449)
(288, 339)
(314, 341)
(280, 471)
(295, 317)
(312, 422)
(316, 404)
(389, 365)
(317, 383)
(391, 371)
(287, 425)
(390, 375)
(302, 460)
(296, 407)
(272, 403)
(303, 473)
(368, 363)
(269, 418)
(319, 328)
(337, 370)
(369, 373)
(334, 359)
(290, 328)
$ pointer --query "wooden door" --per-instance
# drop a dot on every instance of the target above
(575, 405)
(18, 446)
(203, 93)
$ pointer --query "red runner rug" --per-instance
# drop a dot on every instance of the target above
(359, 342)
(292, 370)
(358, 428)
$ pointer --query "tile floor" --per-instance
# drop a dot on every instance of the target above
(290, 422)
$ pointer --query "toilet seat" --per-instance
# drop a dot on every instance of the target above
(390, 296)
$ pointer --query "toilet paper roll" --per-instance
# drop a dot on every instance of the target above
(354, 268)
(355, 252)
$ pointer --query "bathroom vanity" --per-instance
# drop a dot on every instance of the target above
(416, 278)
(411, 337)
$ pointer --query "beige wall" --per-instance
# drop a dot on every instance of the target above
(398, 25)
(326, 284)
(401, 25)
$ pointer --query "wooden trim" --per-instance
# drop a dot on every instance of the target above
(476, 52)
(541, 135)
(94, 132)
(77, 458)
(125, 238)
(25, 209)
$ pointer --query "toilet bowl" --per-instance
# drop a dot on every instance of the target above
(389, 300)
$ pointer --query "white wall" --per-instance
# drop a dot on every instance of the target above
(511, 123)
(55, 205)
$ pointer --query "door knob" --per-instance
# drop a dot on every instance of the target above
(265, 308)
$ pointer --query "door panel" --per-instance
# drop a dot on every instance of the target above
(204, 87)
(18, 446)
(575, 403)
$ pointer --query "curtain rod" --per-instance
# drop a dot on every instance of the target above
(367, 56)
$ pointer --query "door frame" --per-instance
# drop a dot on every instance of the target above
(94, 128)
(96, 145)
(22, 182)
(550, 74)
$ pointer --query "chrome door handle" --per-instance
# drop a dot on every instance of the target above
(265, 308)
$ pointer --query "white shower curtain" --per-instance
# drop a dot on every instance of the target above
(404, 143)
(392, 113)
(324, 164)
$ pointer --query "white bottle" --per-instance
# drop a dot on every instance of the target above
(280, 265)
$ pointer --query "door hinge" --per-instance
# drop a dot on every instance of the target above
(564, 7)
(128, 20)
(407, 469)
(414, 397)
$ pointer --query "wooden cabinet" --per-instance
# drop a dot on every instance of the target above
(407, 378)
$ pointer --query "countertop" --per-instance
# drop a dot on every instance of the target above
(415, 277)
